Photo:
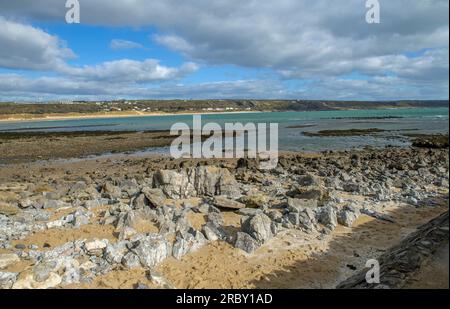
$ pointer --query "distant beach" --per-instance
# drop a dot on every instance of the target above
(69, 116)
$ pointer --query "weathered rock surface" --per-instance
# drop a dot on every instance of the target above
(226, 203)
(246, 242)
(151, 250)
(348, 215)
(402, 261)
(259, 227)
(203, 180)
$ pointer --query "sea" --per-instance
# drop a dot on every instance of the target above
(291, 125)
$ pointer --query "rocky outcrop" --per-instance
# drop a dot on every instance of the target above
(403, 260)
(348, 215)
(309, 194)
(198, 181)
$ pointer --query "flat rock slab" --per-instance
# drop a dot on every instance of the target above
(223, 202)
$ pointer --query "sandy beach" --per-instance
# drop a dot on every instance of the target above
(127, 221)
(77, 116)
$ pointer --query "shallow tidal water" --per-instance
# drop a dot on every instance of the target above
(396, 122)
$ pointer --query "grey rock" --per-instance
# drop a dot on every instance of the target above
(348, 215)
(223, 202)
(275, 216)
(131, 260)
(152, 249)
(182, 246)
(41, 272)
(351, 187)
(298, 205)
(249, 211)
(127, 233)
(216, 218)
(214, 232)
(26, 203)
(115, 252)
(259, 227)
(198, 181)
(140, 202)
(71, 275)
(96, 247)
(377, 215)
(293, 218)
(155, 197)
(307, 220)
(327, 216)
(309, 180)
(130, 187)
(174, 184)
(81, 218)
(77, 188)
(7, 279)
(206, 209)
(210, 181)
(110, 191)
(53, 204)
(246, 242)
(95, 203)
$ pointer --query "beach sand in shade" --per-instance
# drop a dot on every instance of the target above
(291, 260)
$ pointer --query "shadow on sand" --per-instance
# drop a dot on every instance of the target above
(349, 250)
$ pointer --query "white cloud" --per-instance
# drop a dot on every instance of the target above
(318, 40)
(174, 42)
(309, 38)
(26, 47)
(126, 70)
(17, 85)
(13, 86)
(118, 44)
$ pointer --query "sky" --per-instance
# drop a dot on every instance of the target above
(224, 49)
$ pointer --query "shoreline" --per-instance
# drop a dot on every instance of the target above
(17, 118)
(22, 147)
(75, 216)
(57, 117)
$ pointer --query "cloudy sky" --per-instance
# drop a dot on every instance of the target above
(302, 49)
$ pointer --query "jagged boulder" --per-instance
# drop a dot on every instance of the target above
(174, 184)
(198, 181)
(259, 227)
(348, 215)
(327, 216)
(246, 242)
(151, 250)
(155, 197)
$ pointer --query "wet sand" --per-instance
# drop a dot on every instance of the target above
(27, 147)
